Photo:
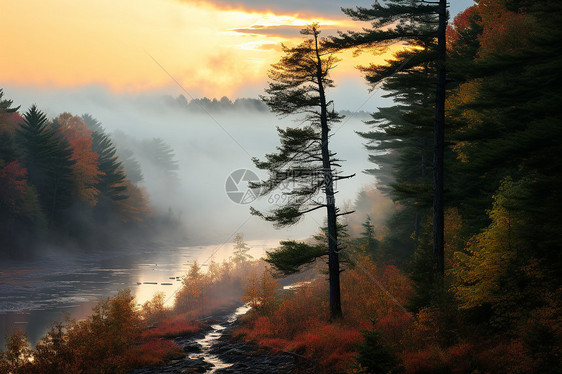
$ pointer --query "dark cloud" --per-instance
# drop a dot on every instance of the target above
(310, 7)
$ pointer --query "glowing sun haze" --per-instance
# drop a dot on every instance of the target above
(69, 43)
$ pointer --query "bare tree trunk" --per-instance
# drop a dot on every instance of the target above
(333, 257)
(439, 142)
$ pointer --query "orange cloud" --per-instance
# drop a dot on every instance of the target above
(68, 43)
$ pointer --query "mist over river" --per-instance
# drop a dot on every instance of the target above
(208, 148)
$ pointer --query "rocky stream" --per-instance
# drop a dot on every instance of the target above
(213, 350)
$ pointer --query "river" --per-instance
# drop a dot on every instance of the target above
(38, 292)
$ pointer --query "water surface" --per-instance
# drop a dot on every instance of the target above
(36, 293)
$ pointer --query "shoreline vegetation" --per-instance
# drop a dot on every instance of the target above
(287, 316)
(121, 335)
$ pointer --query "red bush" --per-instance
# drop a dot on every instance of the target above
(152, 353)
(332, 345)
(172, 328)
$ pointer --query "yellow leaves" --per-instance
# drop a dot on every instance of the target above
(101, 340)
(193, 294)
(486, 261)
(260, 291)
(458, 111)
(18, 351)
(153, 311)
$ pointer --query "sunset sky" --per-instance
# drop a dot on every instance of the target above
(212, 48)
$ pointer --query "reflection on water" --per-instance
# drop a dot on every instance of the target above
(34, 294)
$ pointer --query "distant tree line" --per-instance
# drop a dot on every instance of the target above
(224, 104)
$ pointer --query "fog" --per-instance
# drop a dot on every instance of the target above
(208, 147)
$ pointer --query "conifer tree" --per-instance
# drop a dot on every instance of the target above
(6, 105)
(112, 182)
(298, 86)
(368, 238)
(421, 26)
(241, 250)
(48, 159)
(162, 156)
(8, 149)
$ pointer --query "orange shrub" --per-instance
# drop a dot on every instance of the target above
(101, 340)
(370, 291)
(153, 311)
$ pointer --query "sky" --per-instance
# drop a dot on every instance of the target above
(210, 47)
(115, 60)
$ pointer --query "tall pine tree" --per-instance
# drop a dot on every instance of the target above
(298, 86)
(411, 77)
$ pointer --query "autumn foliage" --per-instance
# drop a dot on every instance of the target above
(13, 183)
(497, 307)
(219, 287)
(297, 320)
(121, 335)
(86, 166)
(115, 338)
(62, 183)
(173, 326)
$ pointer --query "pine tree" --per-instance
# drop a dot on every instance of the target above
(6, 106)
(292, 256)
(48, 159)
(298, 85)
(162, 156)
(368, 238)
(375, 356)
(420, 25)
(8, 149)
(112, 182)
(131, 166)
(241, 250)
